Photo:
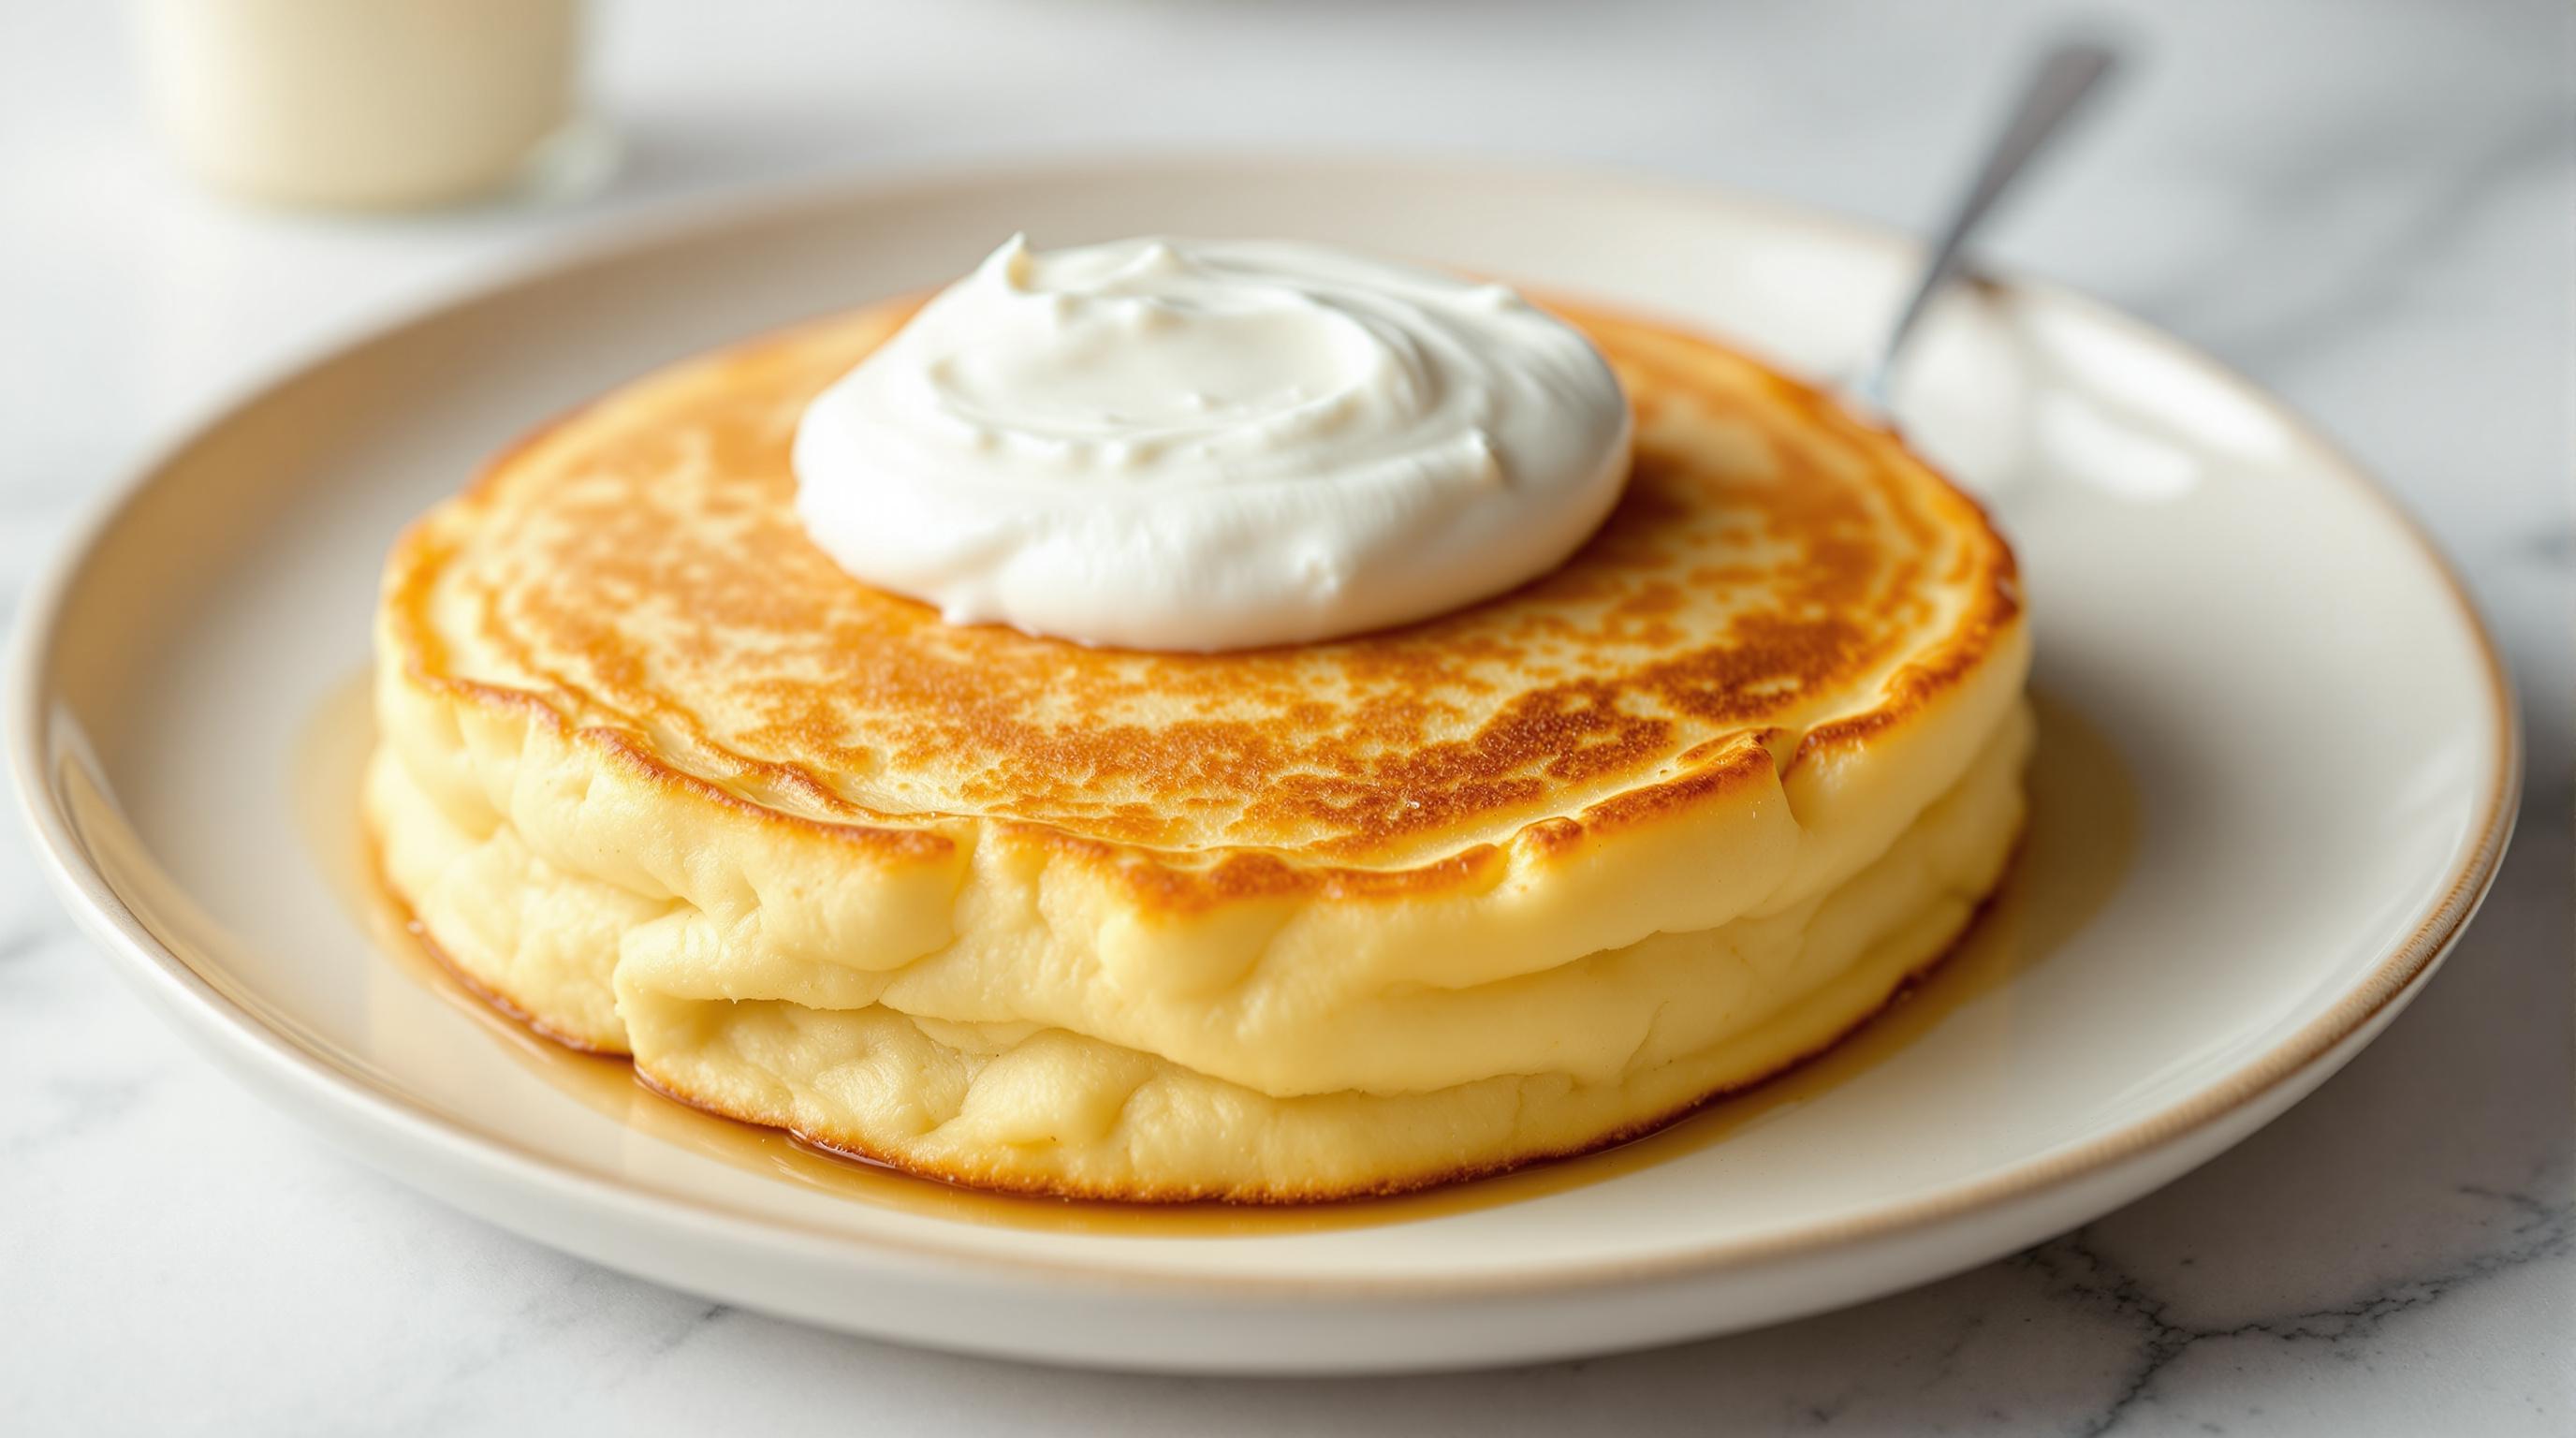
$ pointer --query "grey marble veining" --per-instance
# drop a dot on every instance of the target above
(2369, 205)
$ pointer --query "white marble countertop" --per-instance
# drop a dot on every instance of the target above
(2369, 205)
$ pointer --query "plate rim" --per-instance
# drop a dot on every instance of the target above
(211, 1018)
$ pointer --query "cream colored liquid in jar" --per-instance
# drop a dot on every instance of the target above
(2077, 848)
(361, 103)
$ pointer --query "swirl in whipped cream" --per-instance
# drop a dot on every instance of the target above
(1207, 445)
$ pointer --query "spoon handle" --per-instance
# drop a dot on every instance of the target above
(2063, 79)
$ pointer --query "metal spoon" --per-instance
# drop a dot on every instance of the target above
(2064, 78)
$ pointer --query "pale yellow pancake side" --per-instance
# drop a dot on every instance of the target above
(1347, 917)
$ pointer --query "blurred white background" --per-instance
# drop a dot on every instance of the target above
(2368, 205)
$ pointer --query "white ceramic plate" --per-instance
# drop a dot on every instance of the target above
(2316, 728)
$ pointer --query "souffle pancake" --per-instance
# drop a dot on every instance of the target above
(1294, 923)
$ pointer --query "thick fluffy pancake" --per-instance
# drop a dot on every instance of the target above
(1290, 923)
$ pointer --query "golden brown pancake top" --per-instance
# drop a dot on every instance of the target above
(1778, 574)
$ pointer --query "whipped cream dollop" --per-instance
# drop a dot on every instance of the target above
(1205, 445)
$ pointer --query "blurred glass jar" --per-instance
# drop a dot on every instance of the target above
(374, 104)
